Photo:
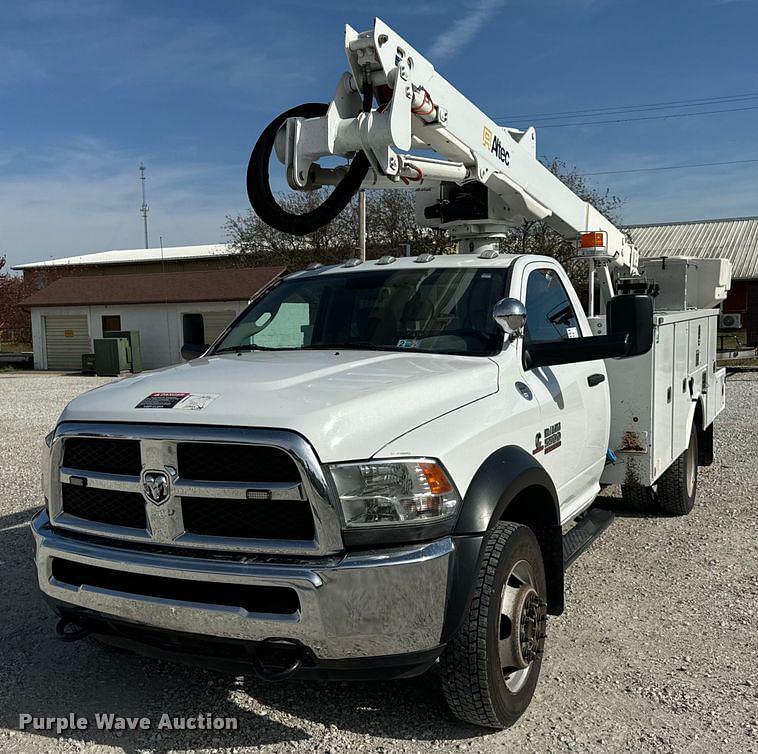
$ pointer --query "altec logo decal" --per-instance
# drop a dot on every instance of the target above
(493, 143)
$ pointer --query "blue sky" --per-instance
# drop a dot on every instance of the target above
(88, 88)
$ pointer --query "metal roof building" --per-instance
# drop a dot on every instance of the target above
(216, 256)
(168, 310)
(133, 256)
(734, 238)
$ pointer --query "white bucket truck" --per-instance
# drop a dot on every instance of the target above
(384, 464)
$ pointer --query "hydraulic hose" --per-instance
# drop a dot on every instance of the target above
(259, 182)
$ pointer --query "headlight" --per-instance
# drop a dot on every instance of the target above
(408, 491)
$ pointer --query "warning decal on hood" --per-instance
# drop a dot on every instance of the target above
(186, 401)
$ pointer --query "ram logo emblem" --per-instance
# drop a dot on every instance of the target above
(156, 486)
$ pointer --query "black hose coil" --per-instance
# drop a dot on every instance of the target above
(259, 183)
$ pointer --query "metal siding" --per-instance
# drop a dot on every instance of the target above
(736, 239)
(65, 351)
(215, 322)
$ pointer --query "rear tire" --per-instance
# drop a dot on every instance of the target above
(638, 498)
(677, 487)
(490, 668)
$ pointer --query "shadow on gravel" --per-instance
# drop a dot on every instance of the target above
(412, 709)
(622, 509)
(45, 677)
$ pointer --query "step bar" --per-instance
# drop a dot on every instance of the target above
(587, 529)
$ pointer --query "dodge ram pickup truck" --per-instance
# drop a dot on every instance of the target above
(377, 466)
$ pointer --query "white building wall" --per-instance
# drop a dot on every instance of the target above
(159, 325)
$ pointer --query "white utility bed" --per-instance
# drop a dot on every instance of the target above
(654, 397)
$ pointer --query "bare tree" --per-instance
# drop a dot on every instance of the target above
(15, 323)
(539, 238)
(390, 224)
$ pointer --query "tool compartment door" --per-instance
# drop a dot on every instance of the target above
(663, 397)
(681, 389)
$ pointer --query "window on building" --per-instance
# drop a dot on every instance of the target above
(193, 329)
(111, 323)
(549, 313)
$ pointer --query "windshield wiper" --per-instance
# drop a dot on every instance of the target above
(356, 345)
(248, 347)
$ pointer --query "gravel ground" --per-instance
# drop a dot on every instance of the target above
(657, 649)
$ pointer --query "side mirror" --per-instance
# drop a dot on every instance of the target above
(629, 325)
(631, 314)
(510, 315)
(193, 350)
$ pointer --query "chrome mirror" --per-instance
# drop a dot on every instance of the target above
(510, 314)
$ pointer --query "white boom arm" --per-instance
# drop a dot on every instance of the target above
(418, 108)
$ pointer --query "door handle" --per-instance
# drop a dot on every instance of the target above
(595, 379)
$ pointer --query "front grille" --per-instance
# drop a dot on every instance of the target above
(254, 519)
(254, 599)
(102, 454)
(230, 489)
(104, 506)
(228, 462)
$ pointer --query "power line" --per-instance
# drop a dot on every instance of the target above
(671, 167)
(653, 108)
(630, 108)
(646, 117)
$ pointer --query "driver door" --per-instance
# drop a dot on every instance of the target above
(572, 439)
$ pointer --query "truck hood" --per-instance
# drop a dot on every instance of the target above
(348, 404)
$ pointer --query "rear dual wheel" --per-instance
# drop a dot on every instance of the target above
(677, 487)
(490, 669)
(675, 492)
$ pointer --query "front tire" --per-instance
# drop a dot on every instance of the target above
(677, 487)
(490, 668)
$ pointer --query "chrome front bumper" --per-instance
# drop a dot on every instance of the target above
(370, 604)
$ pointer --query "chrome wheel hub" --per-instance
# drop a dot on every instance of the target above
(523, 615)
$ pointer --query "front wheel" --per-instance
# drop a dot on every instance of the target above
(490, 668)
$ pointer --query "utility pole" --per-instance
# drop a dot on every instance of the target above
(144, 209)
(362, 225)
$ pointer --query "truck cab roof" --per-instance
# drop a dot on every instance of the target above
(422, 261)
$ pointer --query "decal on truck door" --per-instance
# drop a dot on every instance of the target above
(551, 441)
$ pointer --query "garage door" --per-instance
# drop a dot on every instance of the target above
(66, 339)
(215, 323)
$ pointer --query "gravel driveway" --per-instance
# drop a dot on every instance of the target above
(657, 650)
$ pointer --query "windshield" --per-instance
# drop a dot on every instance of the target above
(435, 310)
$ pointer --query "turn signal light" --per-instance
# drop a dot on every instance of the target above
(593, 240)
(435, 478)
